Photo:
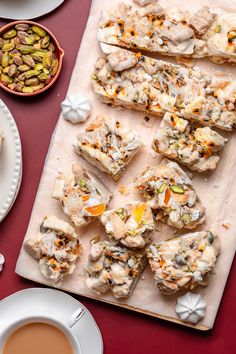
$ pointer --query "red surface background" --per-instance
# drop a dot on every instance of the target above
(123, 331)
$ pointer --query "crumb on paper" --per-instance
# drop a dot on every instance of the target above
(206, 179)
(148, 121)
(143, 277)
(216, 185)
(226, 225)
(123, 190)
(188, 62)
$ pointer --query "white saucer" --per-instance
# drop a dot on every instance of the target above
(42, 302)
(10, 161)
(27, 9)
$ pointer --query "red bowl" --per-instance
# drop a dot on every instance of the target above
(59, 52)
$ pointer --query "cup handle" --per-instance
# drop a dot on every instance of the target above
(75, 317)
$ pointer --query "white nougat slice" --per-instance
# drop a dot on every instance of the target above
(153, 86)
(130, 224)
(108, 145)
(82, 195)
(113, 268)
(170, 31)
(192, 146)
(56, 247)
(171, 195)
(184, 261)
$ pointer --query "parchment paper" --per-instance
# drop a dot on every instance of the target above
(217, 190)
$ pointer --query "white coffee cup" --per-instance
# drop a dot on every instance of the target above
(64, 325)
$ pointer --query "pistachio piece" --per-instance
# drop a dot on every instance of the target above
(47, 60)
(5, 59)
(23, 68)
(5, 70)
(21, 77)
(19, 86)
(51, 47)
(30, 39)
(177, 189)
(45, 41)
(18, 60)
(210, 237)
(25, 49)
(186, 218)
(27, 89)
(14, 52)
(9, 34)
(32, 81)
(39, 31)
(31, 73)
(1, 43)
(54, 67)
(12, 70)
(12, 86)
(163, 187)
(7, 47)
(27, 59)
(43, 77)
(38, 67)
(37, 87)
(22, 27)
(6, 79)
(36, 57)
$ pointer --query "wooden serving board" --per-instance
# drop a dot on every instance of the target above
(217, 190)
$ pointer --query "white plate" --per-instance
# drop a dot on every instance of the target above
(41, 302)
(10, 161)
(27, 9)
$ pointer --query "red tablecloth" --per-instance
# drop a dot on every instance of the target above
(123, 331)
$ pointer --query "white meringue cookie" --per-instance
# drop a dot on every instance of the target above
(76, 108)
(191, 307)
(2, 261)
